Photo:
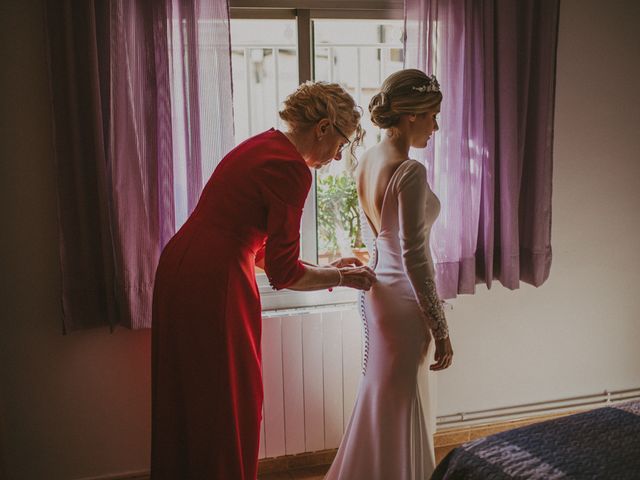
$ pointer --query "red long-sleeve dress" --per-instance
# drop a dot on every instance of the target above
(206, 367)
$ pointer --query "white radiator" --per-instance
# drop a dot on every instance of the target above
(311, 367)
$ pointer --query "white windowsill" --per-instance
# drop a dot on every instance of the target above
(273, 300)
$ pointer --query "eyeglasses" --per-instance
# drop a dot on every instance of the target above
(345, 137)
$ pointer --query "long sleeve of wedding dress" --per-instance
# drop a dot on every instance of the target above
(418, 207)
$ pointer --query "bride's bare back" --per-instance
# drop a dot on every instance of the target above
(373, 175)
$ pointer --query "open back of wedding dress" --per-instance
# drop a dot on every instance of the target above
(389, 436)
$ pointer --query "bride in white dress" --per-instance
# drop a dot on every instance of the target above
(388, 436)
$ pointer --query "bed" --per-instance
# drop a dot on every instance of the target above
(598, 444)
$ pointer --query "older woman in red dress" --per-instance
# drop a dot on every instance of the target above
(206, 370)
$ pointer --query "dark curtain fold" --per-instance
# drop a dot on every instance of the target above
(129, 141)
(78, 59)
(491, 163)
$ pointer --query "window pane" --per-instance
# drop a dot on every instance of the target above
(265, 71)
(359, 55)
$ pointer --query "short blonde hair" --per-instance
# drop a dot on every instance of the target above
(403, 92)
(313, 101)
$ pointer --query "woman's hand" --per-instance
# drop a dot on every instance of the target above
(360, 277)
(443, 355)
(347, 262)
(353, 273)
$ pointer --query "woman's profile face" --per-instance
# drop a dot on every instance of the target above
(424, 127)
(329, 146)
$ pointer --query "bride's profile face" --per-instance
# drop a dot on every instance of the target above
(424, 126)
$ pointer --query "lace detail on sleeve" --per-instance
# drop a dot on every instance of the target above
(431, 307)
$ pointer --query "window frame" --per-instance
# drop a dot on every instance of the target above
(305, 12)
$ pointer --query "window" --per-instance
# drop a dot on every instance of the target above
(359, 55)
(264, 57)
(356, 49)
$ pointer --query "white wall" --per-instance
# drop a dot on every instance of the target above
(77, 406)
(580, 332)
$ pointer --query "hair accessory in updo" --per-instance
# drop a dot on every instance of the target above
(398, 97)
(432, 85)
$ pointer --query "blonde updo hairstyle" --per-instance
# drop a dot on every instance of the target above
(402, 93)
(313, 101)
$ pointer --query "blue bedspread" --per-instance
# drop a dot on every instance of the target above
(599, 444)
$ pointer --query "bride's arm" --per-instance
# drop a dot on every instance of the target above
(416, 254)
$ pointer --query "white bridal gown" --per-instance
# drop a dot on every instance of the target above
(389, 436)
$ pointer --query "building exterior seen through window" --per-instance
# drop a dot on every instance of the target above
(264, 56)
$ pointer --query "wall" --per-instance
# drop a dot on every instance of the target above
(72, 406)
(78, 406)
(580, 332)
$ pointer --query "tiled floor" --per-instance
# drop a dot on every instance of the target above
(310, 473)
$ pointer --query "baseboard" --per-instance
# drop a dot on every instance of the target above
(136, 475)
(549, 407)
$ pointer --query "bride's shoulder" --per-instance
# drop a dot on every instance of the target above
(410, 165)
(415, 163)
(413, 174)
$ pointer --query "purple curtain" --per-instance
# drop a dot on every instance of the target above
(491, 162)
(133, 121)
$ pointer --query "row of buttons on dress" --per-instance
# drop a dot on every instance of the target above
(365, 325)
